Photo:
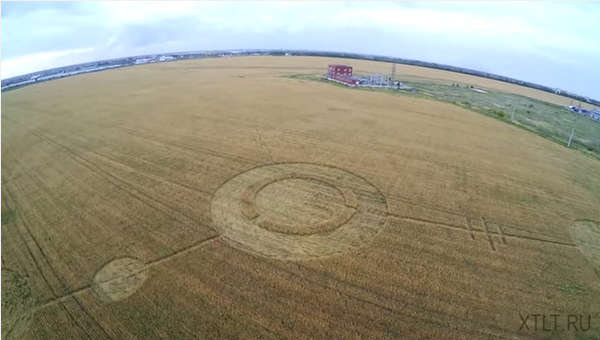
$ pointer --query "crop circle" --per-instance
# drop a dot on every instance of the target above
(295, 211)
(119, 279)
(586, 235)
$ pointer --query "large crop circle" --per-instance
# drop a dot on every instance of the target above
(298, 211)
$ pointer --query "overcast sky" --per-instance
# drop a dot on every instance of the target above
(555, 44)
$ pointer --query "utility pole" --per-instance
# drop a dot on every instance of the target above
(572, 133)
(512, 116)
(573, 129)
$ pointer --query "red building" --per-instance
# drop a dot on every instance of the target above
(339, 70)
(346, 80)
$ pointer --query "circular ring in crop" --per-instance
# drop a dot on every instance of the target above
(296, 211)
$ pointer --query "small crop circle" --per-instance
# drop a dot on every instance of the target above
(586, 235)
(119, 279)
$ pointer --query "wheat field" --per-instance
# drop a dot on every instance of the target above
(218, 199)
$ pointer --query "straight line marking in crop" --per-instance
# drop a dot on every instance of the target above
(183, 251)
(487, 235)
(61, 299)
(501, 233)
(469, 228)
(148, 265)
(446, 225)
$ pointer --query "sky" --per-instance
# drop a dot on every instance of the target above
(551, 43)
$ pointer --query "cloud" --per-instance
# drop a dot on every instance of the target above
(553, 43)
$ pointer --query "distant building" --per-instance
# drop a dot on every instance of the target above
(339, 70)
(350, 81)
(166, 58)
(595, 115)
(342, 74)
(142, 61)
